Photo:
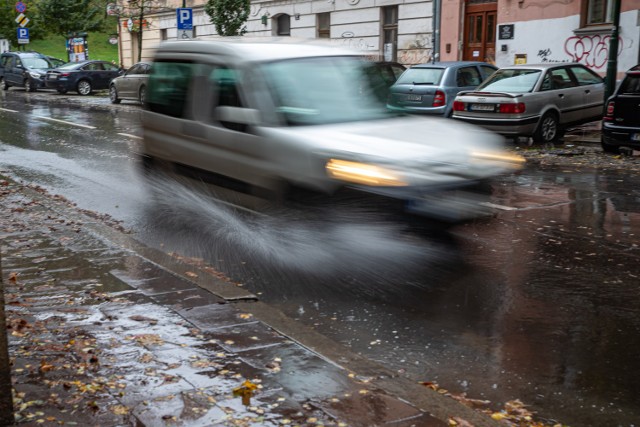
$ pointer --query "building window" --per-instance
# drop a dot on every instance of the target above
(599, 12)
(389, 32)
(283, 25)
(163, 34)
(324, 25)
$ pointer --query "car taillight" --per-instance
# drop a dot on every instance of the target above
(518, 108)
(64, 75)
(458, 106)
(610, 110)
(439, 99)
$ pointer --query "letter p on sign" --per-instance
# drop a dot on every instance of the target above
(184, 18)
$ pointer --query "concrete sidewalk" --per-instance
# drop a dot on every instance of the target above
(105, 331)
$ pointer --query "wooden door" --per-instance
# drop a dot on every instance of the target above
(480, 32)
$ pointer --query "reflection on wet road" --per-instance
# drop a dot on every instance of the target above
(539, 303)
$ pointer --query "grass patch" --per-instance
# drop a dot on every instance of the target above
(98, 44)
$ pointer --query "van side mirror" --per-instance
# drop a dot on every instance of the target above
(245, 116)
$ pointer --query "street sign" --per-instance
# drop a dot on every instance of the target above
(22, 20)
(185, 34)
(21, 7)
(185, 19)
(23, 35)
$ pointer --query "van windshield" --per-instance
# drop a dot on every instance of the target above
(323, 90)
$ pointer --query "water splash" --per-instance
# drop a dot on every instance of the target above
(323, 242)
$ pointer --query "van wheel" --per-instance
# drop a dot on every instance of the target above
(142, 95)
(84, 87)
(5, 86)
(113, 95)
(548, 129)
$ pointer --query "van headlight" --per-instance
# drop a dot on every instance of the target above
(511, 160)
(363, 173)
(35, 75)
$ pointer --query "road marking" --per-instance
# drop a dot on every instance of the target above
(66, 122)
(7, 110)
(130, 136)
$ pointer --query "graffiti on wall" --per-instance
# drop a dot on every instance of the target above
(545, 55)
(417, 52)
(350, 40)
(591, 50)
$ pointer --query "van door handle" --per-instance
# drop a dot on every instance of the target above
(587, 91)
(561, 95)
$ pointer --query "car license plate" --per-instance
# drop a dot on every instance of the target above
(481, 107)
(53, 77)
(635, 136)
(414, 97)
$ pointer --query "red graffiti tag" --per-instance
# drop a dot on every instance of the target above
(592, 51)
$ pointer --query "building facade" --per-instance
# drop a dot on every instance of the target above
(503, 32)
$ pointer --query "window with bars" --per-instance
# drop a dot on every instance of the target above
(324, 25)
(283, 27)
(390, 32)
(598, 12)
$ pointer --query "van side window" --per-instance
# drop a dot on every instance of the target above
(168, 87)
(224, 82)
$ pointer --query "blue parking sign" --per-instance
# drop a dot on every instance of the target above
(23, 35)
(185, 18)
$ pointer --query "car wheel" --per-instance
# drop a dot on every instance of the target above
(28, 86)
(113, 95)
(142, 95)
(548, 130)
(84, 87)
(5, 86)
(608, 148)
(62, 91)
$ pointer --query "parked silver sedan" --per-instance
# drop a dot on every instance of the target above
(131, 85)
(538, 101)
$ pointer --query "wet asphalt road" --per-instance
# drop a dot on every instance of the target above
(539, 303)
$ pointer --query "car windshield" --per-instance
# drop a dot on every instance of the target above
(630, 85)
(421, 76)
(313, 91)
(70, 65)
(511, 81)
(35, 62)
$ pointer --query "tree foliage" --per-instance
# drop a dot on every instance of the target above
(63, 17)
(228, 16)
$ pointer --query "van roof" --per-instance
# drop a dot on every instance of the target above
(258, 48)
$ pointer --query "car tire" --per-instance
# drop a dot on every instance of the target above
(62, 91)
(609, 148)
(5, 86)
(142, 94)
(548, 130)
(84, 87)
(113, 95)
(28, 86)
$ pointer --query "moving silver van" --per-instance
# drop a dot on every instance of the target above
(272, 115)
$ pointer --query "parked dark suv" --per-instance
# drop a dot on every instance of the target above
(621, 122)
(23, 69)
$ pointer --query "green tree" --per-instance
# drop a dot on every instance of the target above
(139, 11)
(228, 16)
(64, 17)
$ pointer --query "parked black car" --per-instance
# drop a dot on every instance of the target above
(23, 69)
(83, 77)
(621, 122)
